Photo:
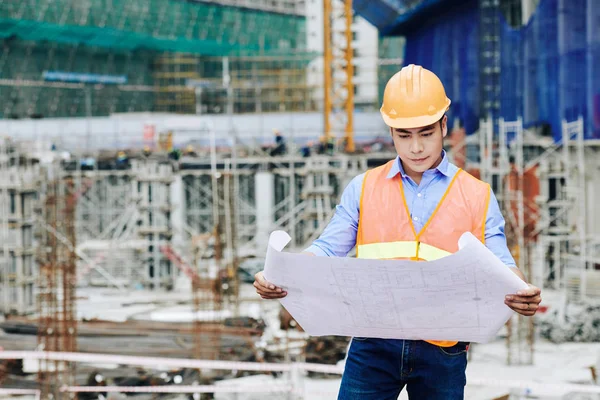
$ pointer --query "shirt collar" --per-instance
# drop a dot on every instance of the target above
(397, 167)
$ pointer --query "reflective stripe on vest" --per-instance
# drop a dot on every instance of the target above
(407, 249)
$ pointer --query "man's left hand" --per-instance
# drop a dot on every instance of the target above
(525, 301)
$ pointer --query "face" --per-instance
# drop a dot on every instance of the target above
(420, 149)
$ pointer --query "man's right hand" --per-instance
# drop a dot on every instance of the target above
(266, 289)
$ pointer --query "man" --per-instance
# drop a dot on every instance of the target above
(280, 148)
(414, 207)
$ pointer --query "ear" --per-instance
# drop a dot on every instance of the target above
(444, 126)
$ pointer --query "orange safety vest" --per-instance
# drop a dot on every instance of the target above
(386, 231)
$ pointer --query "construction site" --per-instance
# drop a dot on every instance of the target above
(149, 147)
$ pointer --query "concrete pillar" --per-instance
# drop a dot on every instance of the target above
(538, 263)
(265, 202)
(20, 286)
(18, 202)
(178, 213)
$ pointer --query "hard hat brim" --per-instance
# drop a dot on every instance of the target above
(414, 122)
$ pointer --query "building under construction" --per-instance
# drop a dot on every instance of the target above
(210, 57)
(113, 200)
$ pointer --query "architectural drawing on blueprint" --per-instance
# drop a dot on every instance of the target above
(458, 297)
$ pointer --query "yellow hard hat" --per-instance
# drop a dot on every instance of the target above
(413, 97)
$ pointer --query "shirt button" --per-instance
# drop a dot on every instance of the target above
(416, 218)
(418, 194)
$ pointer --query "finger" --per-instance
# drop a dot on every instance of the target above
(270, 293)
(524, 299)
(272, 296)
(531, 291)
(526, 313)
(261, 290)
(261, 283)
(517, 306)
(264, 289)
(522, 306)
(260, 278)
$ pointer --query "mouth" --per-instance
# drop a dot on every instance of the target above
(418, 160)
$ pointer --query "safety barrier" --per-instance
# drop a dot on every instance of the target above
(289, 386)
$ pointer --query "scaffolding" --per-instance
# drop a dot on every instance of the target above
(176, 216)
(511, 190)
(173, 94)
(19, 187)
(57, 318)
(566, 246)
(104, 198)
(489, 55)
(108, 248)
(542, 189)
(229, 205)
(128, 59)
(152, 190)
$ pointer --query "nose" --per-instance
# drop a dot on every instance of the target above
(416, 146)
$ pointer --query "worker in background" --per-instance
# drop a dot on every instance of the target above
(122, 161)
(437, 203)
(322, 147)
(306, 150)
(330, 145)
(280, 145)
(190, 151)
(175, 154)
(146, 151)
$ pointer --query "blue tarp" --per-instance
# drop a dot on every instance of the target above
(550, 68)
(393, 17)
(449, 47)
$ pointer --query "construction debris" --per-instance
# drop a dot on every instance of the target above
(578, 324)
(326, 349)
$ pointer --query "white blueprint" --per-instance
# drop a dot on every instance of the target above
(459, 297)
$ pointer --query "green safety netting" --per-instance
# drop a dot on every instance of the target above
(114, 39)
(158, 25)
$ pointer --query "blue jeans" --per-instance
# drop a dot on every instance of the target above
(378, 369)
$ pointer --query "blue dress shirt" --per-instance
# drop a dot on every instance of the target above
(339, 237)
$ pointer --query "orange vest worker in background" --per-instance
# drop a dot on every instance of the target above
(414, 207)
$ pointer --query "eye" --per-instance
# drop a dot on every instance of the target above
(403, 136)
(425, 134)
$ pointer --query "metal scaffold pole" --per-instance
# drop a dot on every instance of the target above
(57, 319)
(512, 187)
(582, 206)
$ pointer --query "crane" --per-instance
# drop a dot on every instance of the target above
(338, 71)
